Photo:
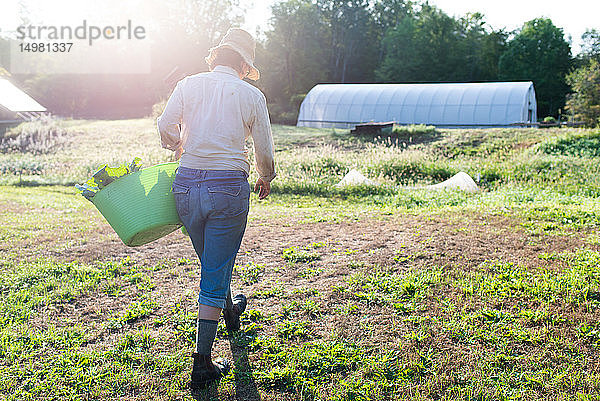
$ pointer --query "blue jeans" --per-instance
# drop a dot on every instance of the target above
(213, 206)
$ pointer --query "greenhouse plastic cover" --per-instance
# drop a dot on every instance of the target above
(14, 99)
(444, 104)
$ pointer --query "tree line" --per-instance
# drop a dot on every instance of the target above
(340, 41)
(399, 41)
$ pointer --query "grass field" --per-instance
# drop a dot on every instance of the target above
(389, 292)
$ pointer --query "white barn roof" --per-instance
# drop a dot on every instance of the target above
(444, 104)
(14, 99)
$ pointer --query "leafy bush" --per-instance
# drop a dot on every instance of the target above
(580, 145)
(282, 115)
(323, 166)
(584, 103)
(38, 137)
(296, 100)
(323, 189)
(491, 174)
(21, 167)
(548, 169)
(410, 171)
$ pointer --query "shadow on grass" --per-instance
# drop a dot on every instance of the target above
(208, 394)
(245, 386)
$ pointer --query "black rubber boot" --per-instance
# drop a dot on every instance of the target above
(232, 314)
(206, 372)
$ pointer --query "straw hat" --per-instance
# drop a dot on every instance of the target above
(242, 42)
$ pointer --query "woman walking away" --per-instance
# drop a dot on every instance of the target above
(217, 111)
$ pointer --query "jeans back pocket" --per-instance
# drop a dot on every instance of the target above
(182, 198)
(228, 200)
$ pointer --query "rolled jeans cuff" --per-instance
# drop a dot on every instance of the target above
(209, 301)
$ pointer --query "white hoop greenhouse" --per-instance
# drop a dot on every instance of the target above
(489, 104)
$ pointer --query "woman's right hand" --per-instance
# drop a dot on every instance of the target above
(178, 152)
(263, 188)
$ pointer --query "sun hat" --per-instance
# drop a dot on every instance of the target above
(242, 42)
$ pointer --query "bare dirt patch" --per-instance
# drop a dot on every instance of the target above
(468, 240)
(395, 243)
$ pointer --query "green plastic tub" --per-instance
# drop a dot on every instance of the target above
(140, 207)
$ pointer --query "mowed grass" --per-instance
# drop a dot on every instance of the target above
(399, 315)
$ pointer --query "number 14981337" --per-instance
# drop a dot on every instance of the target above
(49, 47)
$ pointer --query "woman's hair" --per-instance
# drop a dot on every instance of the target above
(228, 57)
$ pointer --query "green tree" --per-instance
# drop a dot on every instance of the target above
(425, 46)
(479, 48)
(539, 53)
(492, 48)
(352, 46)
(428, 45)
(296, 54)
(315, 41)
(386, 14)
(590, 47)
(584, 102)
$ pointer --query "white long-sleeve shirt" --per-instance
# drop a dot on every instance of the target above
(218, 111)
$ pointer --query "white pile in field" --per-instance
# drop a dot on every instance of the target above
(462, 181)
(354, 177)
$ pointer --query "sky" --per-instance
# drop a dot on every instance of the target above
(574, 16)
